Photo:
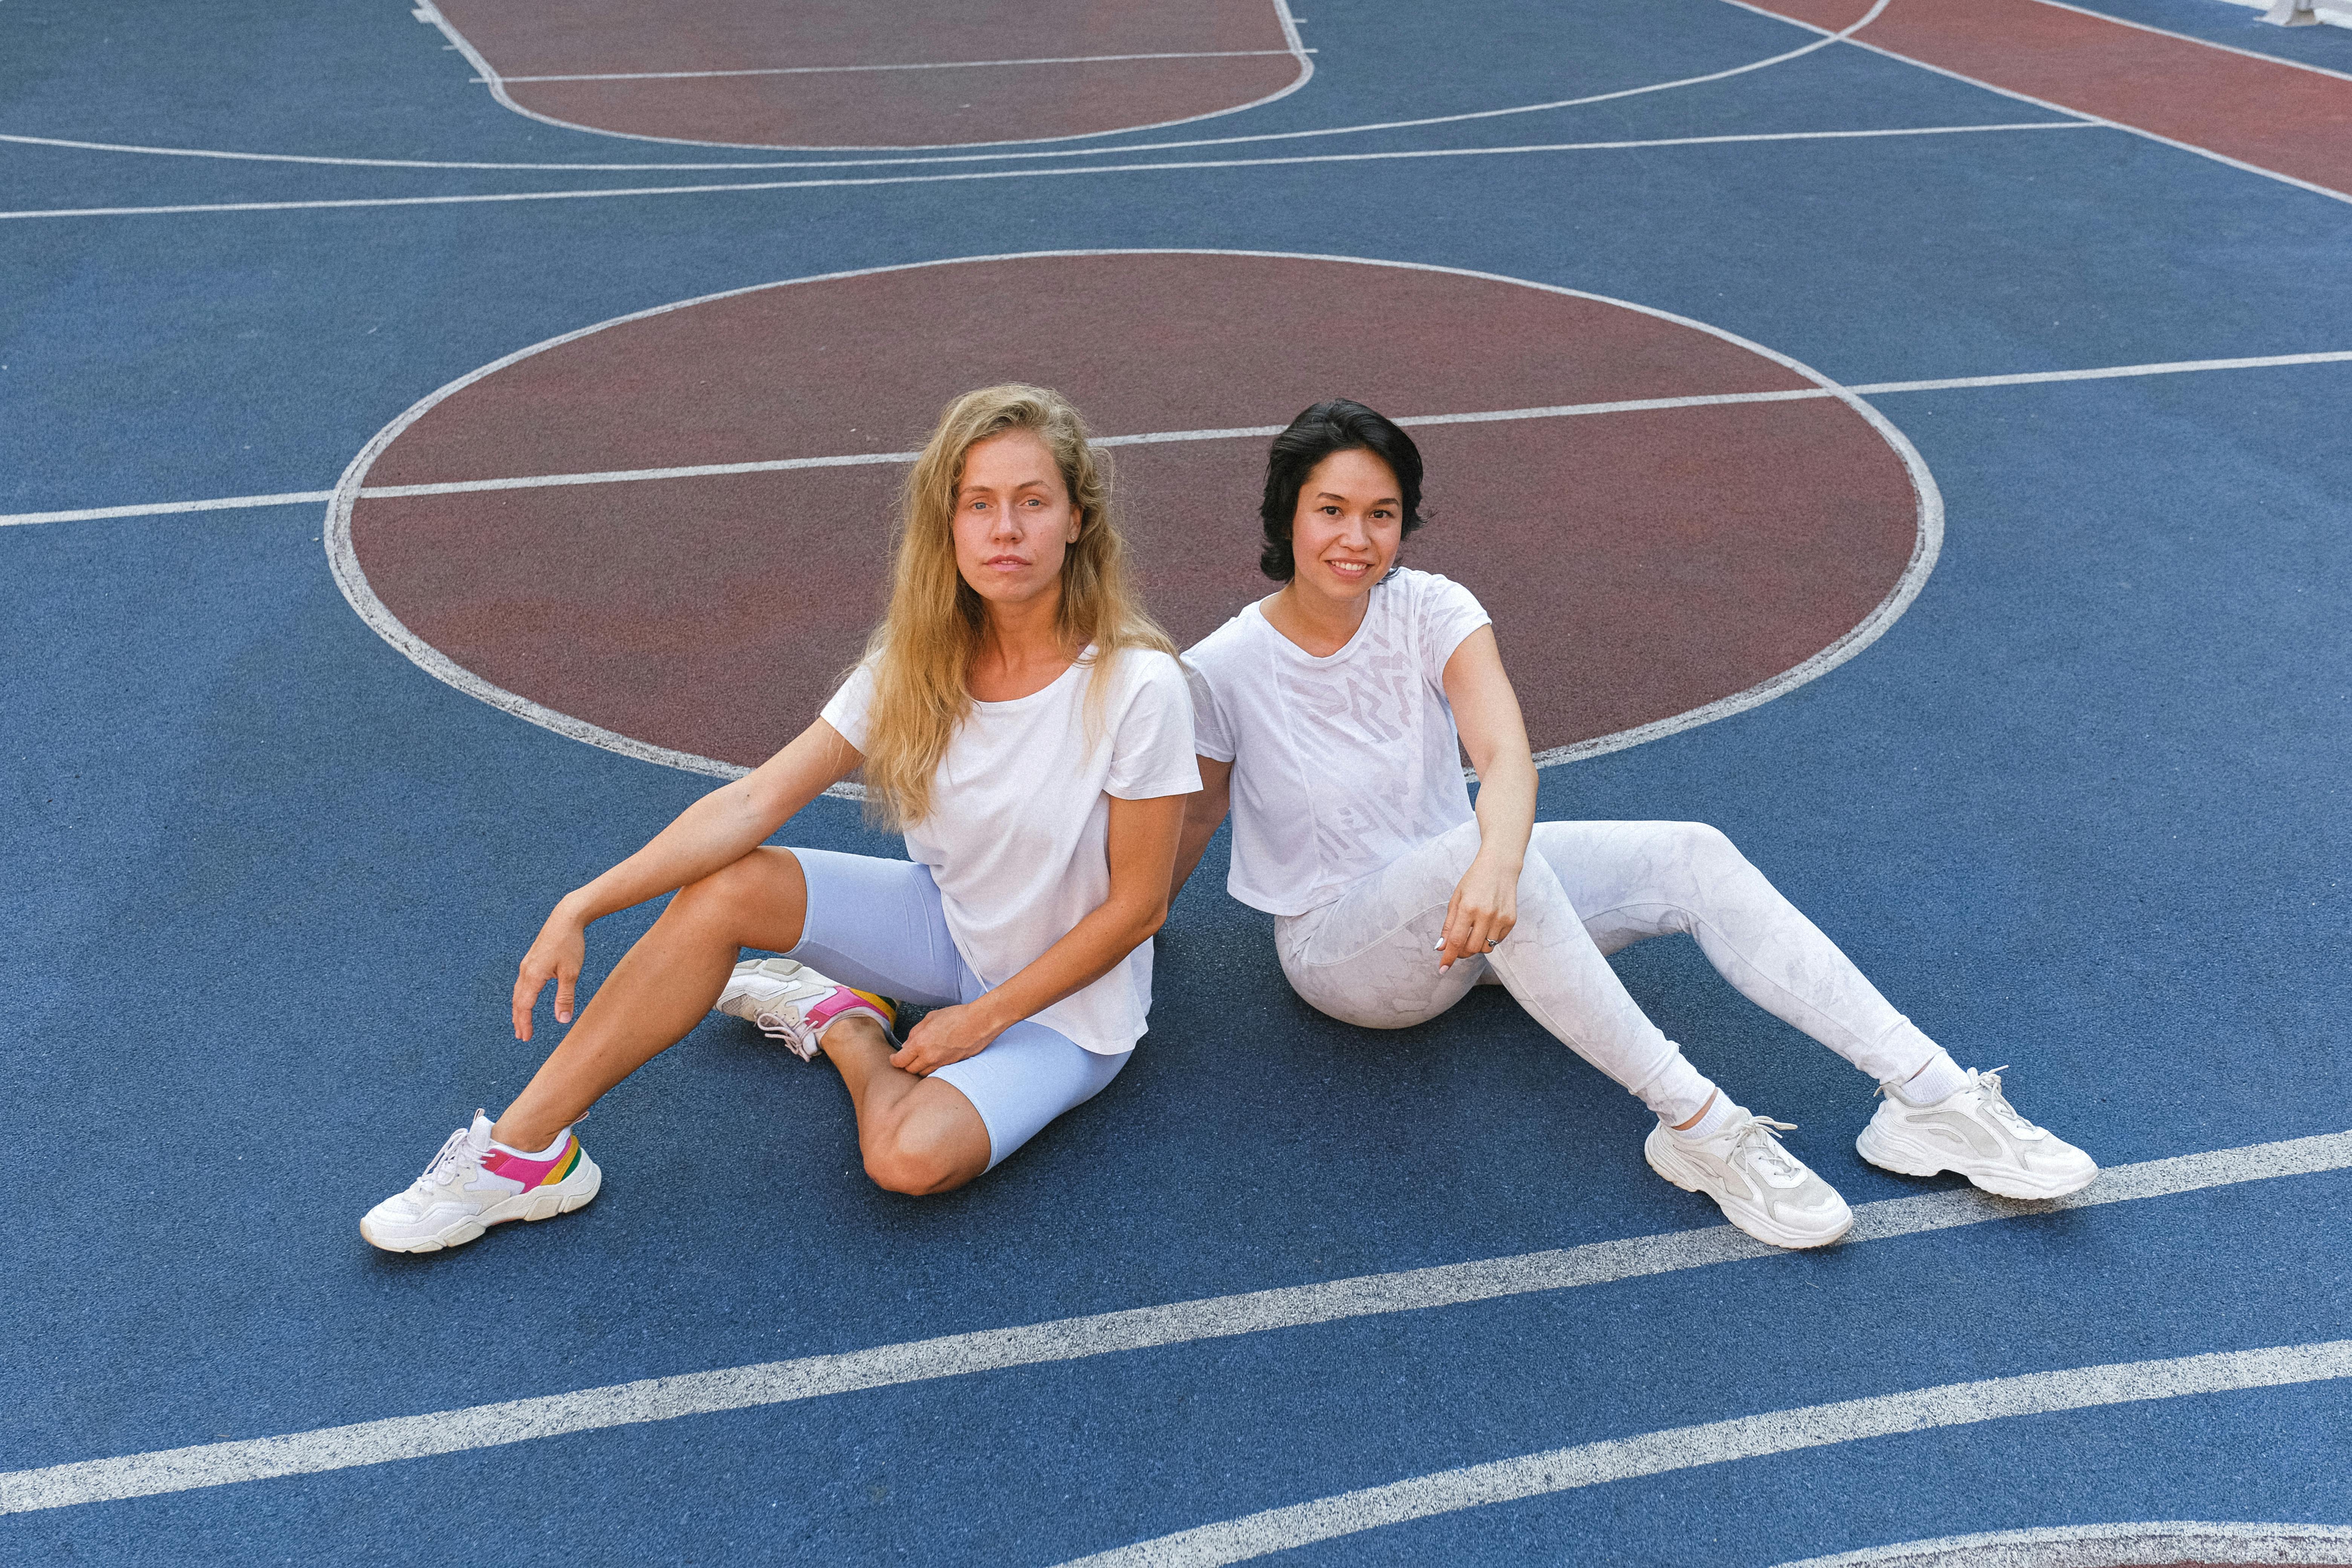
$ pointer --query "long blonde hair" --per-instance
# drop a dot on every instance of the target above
(922, 651)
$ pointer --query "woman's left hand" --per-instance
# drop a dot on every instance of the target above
(946, 1034)
(1484, 909)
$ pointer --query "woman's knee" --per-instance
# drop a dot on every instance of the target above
(920, 1155)
(744, 892)
(897, 1166)
(1704, 850)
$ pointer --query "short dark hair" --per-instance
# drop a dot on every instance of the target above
(1335, 425)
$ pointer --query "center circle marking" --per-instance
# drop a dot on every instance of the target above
(1647, 569)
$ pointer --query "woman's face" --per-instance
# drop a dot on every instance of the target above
(1350, 521)
(1014, 519)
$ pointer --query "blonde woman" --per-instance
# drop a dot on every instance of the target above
(1027, 726)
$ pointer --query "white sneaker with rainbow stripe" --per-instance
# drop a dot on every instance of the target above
(793, 1002)
(473, 1185)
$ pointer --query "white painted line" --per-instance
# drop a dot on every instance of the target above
(2200, 43)
(1720, 1442)
(488, 75)
(160, 508)
(630, 476)
(2173, 367)
(1148, 439)
(911, 66)
(943, 156)
(1104, 1333)
(867, 180)
(1237, 432)
(2180, 1541)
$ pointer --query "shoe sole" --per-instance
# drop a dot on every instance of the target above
(537, 1204)
(1787, 1240)
(1889, 1153)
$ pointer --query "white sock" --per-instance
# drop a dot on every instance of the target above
(547, 1153)
(1717, 1117)
(1940, 1079)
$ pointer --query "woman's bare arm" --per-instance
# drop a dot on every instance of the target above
(1142, 846)
(1487, 711)
(1202, 811)
(714, 832)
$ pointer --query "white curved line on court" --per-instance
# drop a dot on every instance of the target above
(2152, 1543)
(1064, 1340)
(2085, 115)
(1720, 1442)
(533, 481)
(1367, 127)
(1926, 544)
(344, 560)
(595, 193)
(1296, 50)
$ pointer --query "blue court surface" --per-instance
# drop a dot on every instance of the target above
(2073, 794)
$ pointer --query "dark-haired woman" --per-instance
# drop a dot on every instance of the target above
(1328, 716)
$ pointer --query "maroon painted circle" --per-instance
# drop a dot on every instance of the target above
(1637, 564)
(851, 73)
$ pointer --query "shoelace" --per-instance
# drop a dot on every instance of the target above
(783, 1025)
(1997, 1104)
(1762, 1136)
(456, 1157)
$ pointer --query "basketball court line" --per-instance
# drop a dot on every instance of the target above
(427, 11)
(912, 66)
(2180, 1541)
(1721, 1442)
(351, 577)
(1363, 128)
(1412, 421)
(1869, 389)
(647, 1400)
(2088, 117)
(316, 205)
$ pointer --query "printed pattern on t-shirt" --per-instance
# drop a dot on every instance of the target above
(1341, 763)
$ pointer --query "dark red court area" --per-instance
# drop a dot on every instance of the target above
(1644, 563)
(906, 73)
(2271, 113)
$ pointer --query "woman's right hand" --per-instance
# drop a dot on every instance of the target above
(556, 954)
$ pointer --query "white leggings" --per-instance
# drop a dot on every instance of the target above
(1587, 889)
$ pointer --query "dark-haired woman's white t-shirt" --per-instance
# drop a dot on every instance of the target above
(1341, 763)
(1018, 837)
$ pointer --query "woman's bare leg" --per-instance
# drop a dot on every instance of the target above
(917, 1134)
(662, 988)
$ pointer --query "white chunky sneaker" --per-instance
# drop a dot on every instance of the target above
(472, 1185)
(1977, 1133)
(1761, 1187)
(793, 1002)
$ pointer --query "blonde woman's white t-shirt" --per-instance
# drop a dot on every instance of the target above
(1020, 817)
(1341, 763)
